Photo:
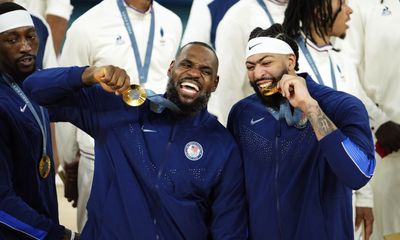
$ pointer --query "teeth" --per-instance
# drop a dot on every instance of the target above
(191, 85)
(265, 85)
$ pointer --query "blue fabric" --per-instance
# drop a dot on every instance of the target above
(297, 187)
(218, 8)
(24, 195)
(43, 34)
(359, 158)
(148, 180)
(10, 221)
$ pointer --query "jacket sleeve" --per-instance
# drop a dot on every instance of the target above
(61, 91)
(349, 149)
(229, 210)
(15, 213)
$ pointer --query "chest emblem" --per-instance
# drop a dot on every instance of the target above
(193, 151)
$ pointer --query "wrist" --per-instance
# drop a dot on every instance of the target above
(310, 107)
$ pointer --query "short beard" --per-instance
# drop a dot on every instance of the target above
(273, 100)
(187, 109)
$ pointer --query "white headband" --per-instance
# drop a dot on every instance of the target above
(267, 45)
(15, 19)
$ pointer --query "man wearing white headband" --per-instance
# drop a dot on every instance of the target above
(28, 201)
(304, 146)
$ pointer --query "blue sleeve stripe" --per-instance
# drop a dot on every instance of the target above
(17, 225)
(360, 159)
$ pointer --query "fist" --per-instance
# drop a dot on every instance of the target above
(112, 79)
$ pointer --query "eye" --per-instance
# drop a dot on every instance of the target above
(185, 64)
(11, 40)
(206, 72)
(250, 67)
(266, 63)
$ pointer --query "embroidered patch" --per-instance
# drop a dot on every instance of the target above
(193, 151)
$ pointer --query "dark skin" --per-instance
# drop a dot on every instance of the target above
(141, 5)
(18, 48)
(196, 66)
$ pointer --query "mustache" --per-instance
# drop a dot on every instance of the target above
(26, 55)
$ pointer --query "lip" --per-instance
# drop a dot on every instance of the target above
(189, 88)
(26, 61)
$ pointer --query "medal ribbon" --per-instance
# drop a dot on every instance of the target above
(159, 103)
(143, 70)
(310, 60)
(22, 95)
(264, 7)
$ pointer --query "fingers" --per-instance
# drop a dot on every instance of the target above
(112, 79)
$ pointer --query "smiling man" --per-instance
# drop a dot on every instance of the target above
(304, 146)
(164, 170)
(28, 201)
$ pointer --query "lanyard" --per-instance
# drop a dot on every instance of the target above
(22, 95)
(310, 60)
(264, 7)
(143, 70)
(159, 103)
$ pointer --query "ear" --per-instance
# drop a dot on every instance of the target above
(291, 62)
(171, 65)
(216, 81)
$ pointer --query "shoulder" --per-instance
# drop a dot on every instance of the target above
(245, 109)
(335, 104)
(165, 13)
(92, 17)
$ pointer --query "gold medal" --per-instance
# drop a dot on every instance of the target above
(134, 96)
(269, 92)
(44, 166)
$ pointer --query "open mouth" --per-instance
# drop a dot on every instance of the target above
(26, 61)
(267, 88)
(189, 88)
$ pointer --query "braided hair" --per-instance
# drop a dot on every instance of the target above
(278, 32)
(303, 15)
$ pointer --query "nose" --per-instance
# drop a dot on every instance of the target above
(194, 72)
(349, 10)
(258, 72)
(25, 45)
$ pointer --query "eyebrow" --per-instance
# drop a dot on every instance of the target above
(259, 60)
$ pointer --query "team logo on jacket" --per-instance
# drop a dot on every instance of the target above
(193, 151)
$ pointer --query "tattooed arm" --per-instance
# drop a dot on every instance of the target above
(294, 88)
(348, 150)
(321, 124)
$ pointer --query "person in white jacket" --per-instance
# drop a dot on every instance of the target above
(232, 36)
(204, 18)
(57, 14)
(314, 29)
(100, 37)
(373, 44)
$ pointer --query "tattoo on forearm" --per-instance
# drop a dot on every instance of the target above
(321, 124)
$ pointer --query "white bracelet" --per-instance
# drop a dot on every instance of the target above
(72, 235)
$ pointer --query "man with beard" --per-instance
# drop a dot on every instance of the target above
(166, 169)
(28, 201)
(304, 146)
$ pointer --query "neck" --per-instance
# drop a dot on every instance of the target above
(139, 5)
(318, 40)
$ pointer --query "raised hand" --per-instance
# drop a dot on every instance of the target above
(112, 79)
